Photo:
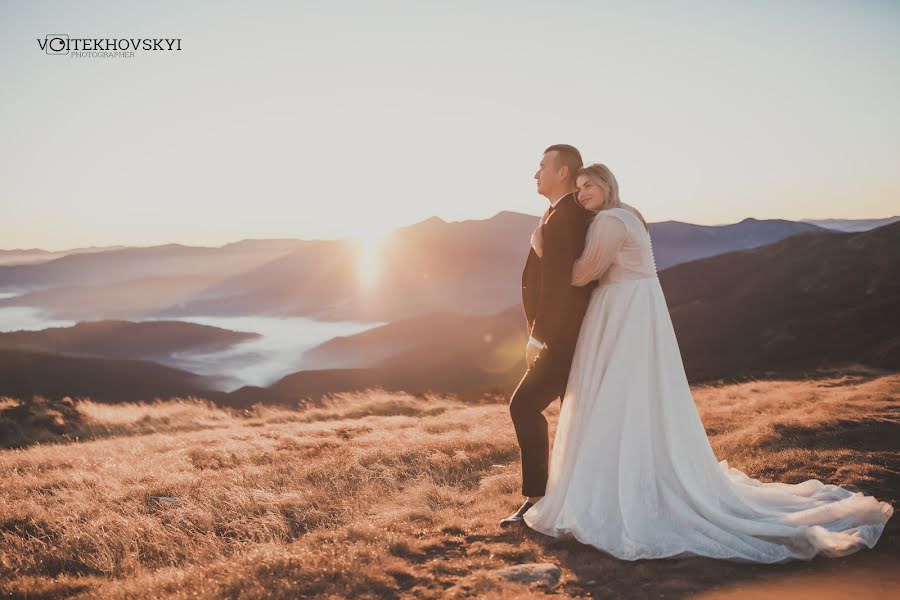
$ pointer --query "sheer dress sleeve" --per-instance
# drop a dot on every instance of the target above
(605, 238)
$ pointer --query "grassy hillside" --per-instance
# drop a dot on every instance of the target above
(378, 495)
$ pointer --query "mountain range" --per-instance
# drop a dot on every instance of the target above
(852, 225)
(470, 267)
(807, 301)
(675, 242)
(124, 339)
(24, 373)
(815, 299)
(22, 256)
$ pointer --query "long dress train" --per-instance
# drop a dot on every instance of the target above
(632, 471)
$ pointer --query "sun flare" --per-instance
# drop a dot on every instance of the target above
(368, 257)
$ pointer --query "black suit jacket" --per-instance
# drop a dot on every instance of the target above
(554, 308)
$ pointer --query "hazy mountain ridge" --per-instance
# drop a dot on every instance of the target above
(466, 266)
(131, 299)
(430, 266)
(25, 373)
(852, 225)
(129, 263)
(21, 256)
(811, 300)
(675, 242)
(807, 302)
(124, 339)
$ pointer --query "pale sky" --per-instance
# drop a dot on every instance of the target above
(326, 119)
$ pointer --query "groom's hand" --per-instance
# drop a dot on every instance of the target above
(531, 354)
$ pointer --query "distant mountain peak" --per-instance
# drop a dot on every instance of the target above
(511, 215)
(505, 214)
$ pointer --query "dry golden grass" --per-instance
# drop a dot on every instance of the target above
(386, 495)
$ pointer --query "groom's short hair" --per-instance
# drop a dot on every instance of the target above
(569, 156)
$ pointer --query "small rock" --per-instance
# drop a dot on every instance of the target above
(530, 573)
(166, 500)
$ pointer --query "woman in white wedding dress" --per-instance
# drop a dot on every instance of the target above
(632, 471)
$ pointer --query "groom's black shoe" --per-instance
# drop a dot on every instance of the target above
(516, 517)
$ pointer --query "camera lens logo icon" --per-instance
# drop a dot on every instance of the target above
(57, 43)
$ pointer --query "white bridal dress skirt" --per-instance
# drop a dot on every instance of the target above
(632, 472)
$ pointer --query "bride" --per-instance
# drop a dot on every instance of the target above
(632, 471)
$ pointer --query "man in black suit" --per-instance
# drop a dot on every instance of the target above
(554, 309)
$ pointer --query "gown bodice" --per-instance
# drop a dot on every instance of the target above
(617, 248)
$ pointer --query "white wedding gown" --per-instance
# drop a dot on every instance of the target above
(632, 471)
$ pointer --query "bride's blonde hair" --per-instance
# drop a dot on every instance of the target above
(602, 176)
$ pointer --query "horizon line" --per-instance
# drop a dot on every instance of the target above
(431, 218)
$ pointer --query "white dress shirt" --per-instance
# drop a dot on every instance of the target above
(531, 340)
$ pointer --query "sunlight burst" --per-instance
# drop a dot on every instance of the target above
(368, 257)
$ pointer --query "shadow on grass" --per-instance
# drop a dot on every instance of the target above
(867, 435)
(602, 575)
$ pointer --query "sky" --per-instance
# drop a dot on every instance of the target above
(332, 119)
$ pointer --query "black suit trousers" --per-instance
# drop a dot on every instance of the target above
(541, 385)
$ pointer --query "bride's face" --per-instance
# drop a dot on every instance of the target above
(589, 194)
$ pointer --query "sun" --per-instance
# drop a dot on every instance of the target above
(368, 249)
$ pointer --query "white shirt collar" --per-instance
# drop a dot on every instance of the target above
(555, 202)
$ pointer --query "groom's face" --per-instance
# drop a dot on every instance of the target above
(549, 174)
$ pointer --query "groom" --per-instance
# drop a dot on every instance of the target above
(554, 310)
